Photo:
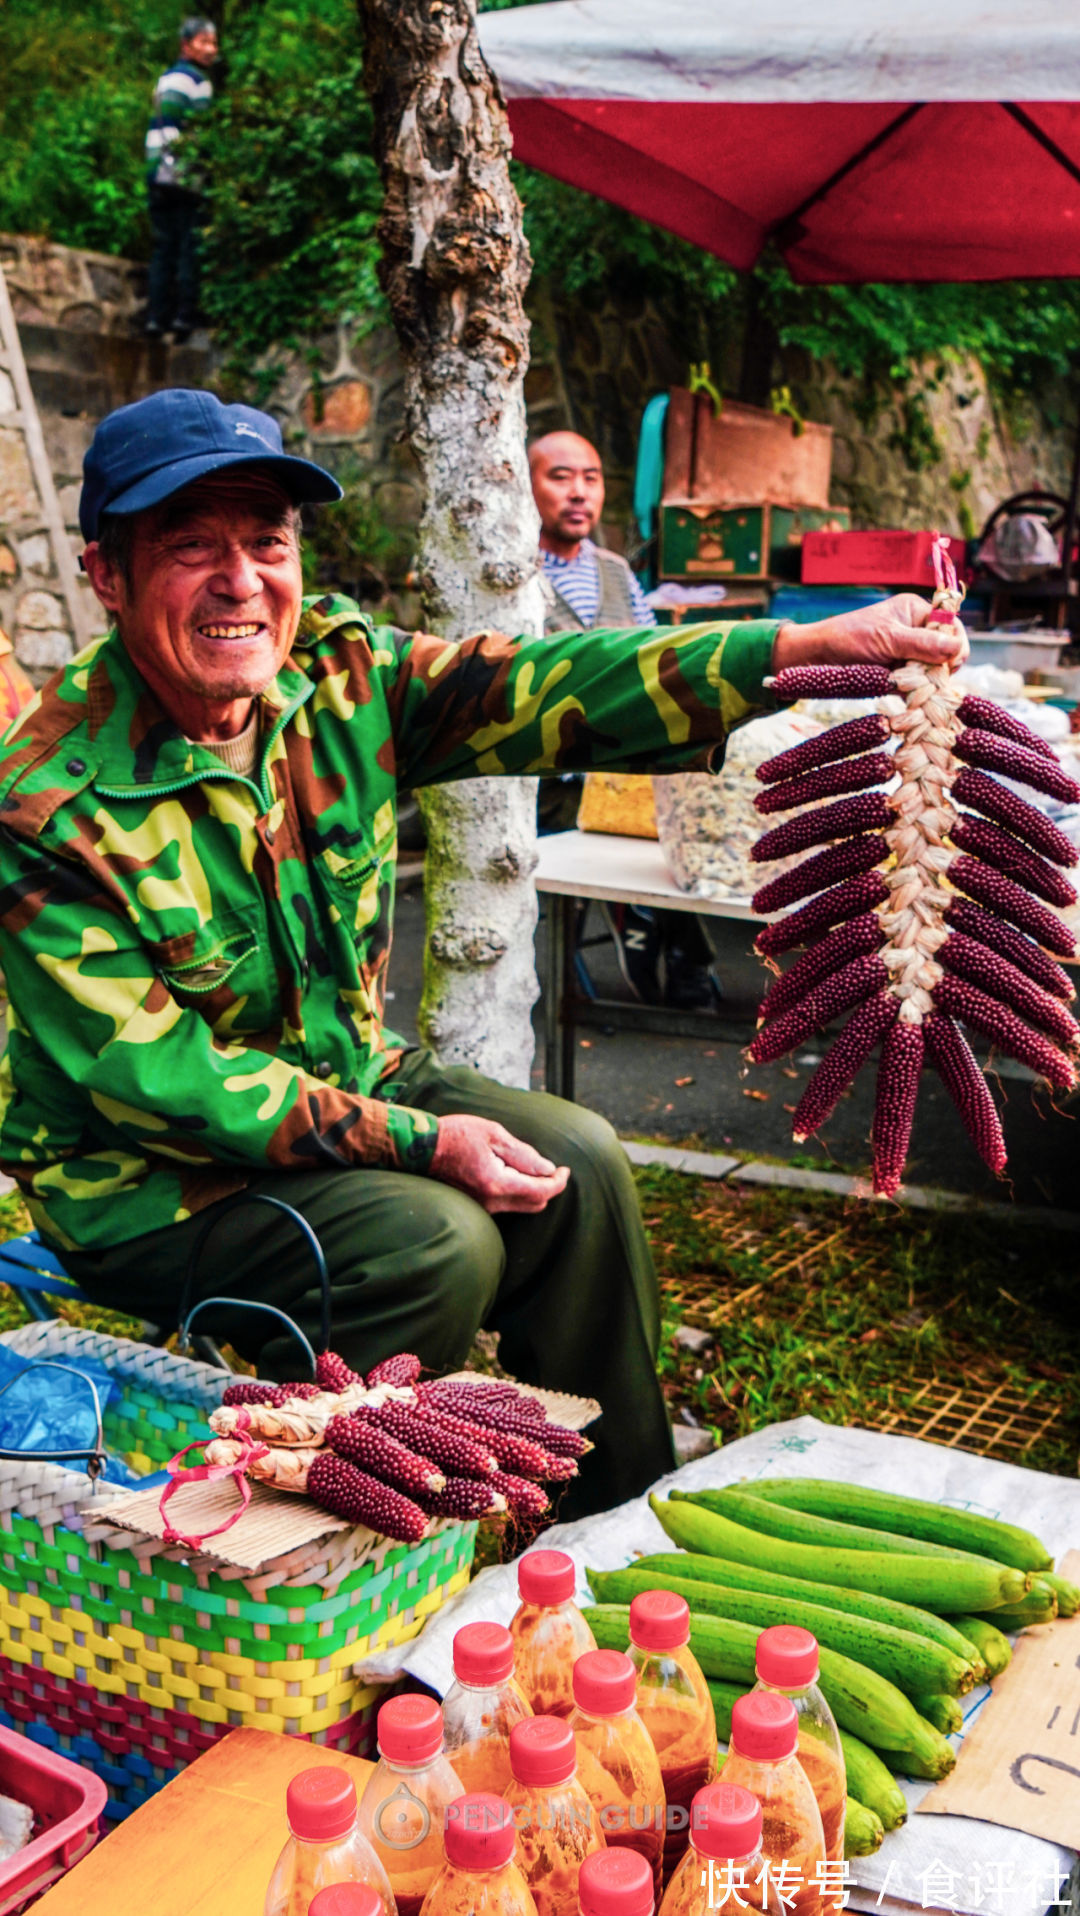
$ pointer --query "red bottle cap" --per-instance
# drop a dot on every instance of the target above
(605, 1682)
(764, 1725)
(348, 1899)
(659, 1620)
(479, 1831)
(546, 1577)
(725, 1821)
(410, 1729)
(787, 1656)
(615, 1882)
(321, 1804)
(542, 1750)
(483, 1655)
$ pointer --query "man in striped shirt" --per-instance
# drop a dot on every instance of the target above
(176, 208)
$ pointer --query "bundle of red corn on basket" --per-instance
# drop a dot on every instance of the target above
(925, 909)
(392, 1452)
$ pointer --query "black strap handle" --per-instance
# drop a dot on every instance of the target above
(187, 1311)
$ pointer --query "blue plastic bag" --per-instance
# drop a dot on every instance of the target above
(48, 1405)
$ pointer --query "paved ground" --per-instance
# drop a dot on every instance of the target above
(701, 1090)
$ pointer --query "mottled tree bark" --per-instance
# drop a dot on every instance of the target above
(455, 268)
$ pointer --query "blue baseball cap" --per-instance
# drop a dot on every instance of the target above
(142, 454)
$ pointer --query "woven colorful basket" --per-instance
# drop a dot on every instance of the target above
(133, 1657)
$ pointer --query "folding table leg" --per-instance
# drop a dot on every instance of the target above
(558, 1028)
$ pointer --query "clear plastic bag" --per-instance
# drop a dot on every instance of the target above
(706, 821)
(54, 1411)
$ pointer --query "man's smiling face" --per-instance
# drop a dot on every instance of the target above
(210, 608)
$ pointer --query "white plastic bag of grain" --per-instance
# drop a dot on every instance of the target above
(707, 822)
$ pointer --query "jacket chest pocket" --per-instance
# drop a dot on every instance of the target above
(224, 972)
(357, 888)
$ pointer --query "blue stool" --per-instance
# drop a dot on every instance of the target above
(36, 1274)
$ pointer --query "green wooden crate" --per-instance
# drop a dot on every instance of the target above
(699, 541)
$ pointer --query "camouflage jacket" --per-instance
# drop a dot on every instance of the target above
(197, 961)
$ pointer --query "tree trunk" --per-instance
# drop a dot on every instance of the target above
(455, 267)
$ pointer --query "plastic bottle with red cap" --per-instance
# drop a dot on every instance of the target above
(549, 1631)
(615, 1882)
(557, 1825)
(617, 1762)
(724, 1869)
(347, 1899)
(763, 1758)
(325, 1846)
(674, 1704)
(482, 1706)
(787, 1662)
(403, 1808)
(480, 1876)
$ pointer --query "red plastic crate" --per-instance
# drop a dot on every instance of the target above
(67, 1802)
(874, 558)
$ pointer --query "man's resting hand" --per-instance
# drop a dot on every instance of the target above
(880, 634)
(496, 1169)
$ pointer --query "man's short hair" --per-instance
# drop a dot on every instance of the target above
(116, 541)
(196, 23)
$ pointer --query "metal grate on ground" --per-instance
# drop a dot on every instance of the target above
(712, 1298)
(992, 1419)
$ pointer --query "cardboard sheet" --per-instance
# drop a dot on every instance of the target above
(273, 1525)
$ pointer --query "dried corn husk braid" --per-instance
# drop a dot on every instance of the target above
(893, 938)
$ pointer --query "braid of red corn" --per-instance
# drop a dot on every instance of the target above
(821, 1005)
(985, 716)
(459, 1450)
(999, 979)
(964, 1001)
(1007, 808)
(963, 915)
(1011, 902)
(337, 1486)
(858, 936)
(827, 781)
(832, 682)
(840, 741)
(813, 921)
(958, 1069)
(869, 811)
(991, 753)
(1006, 854)
(845, 1056)
(844, 860)
(894, 1104)
(374, 1450)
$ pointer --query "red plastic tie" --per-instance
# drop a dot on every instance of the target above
(209, 1474)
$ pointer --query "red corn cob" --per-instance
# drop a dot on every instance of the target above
(339, 1487)
(812, 921)
(832, 682)
(1006, 854)
(466, 1498)
(992, 753)
(247, 1391)
(869, 811)
(825, 781)
(461, 1453)
(894, 1104)
(972, 1007)
(843, 1059)
(511, 1411)
(825, 1001)
(959, 1072)
(303, 1391)
(967, 917)
(525, 1498)
(840, 741)
(1012, 903)
(825, 868)
(372, 1449)
(999, 979)
(332, 1373)
(563, 1443)
(848, 941)
(515, 1450)
(1007, 808)
(985, 716)
(400, 1371)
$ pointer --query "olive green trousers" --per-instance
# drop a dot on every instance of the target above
(416, 1265)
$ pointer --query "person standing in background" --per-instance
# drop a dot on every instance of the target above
(664, 956)
(176, 205)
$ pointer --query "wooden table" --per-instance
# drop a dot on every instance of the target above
(207, 1843)
(630, 871)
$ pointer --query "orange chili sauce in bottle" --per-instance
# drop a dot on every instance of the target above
(674, 1704)
(549, 1632)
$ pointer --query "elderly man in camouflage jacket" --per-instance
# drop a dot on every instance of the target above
(196, 889)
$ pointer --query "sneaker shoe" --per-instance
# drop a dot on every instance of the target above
(636, 937)
(153, 329)
(689, 985)
(181, 330)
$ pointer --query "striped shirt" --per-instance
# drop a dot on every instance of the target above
(578, 582)
(184, 90)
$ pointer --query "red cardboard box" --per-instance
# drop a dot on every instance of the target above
(874, 558)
